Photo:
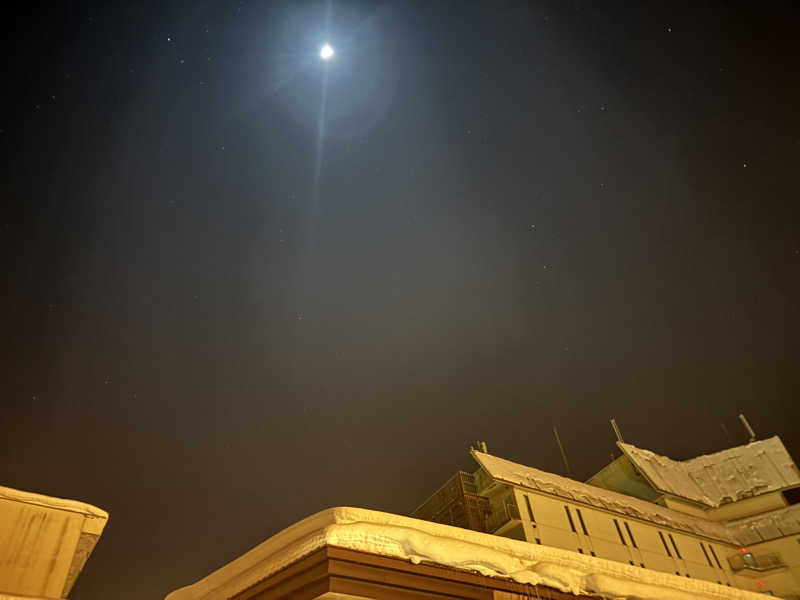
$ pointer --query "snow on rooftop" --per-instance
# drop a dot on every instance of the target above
(421, 541)
(720, 478)
(7, 493)
(549, 483)
(767, 526)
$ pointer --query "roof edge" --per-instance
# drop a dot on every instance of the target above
(7, 493)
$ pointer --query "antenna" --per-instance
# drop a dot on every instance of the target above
(749, 429)
(616, 430)
(480, 447)
(563, 454)
(727, 434)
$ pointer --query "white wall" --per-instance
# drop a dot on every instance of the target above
(551, 527)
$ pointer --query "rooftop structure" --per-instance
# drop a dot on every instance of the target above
(724, 477)
(725, 518)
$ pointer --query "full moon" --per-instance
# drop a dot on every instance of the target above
(326, 52)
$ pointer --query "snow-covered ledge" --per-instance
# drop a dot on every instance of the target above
(420, 541)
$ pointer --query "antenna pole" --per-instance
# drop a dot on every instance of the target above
(616, 430)
(749, 429)
(563, 454)
(727, 434)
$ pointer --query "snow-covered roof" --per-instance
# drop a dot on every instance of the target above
(767, 526)
(715, 479)
(417, 541)
(549, 483)
(7, 493)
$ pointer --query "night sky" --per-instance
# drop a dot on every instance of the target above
(242, 284)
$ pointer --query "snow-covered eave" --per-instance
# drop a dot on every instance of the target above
(765, 527)
(88, 510)
(410, 539)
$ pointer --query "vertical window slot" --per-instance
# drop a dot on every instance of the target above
(619, 533)
(580, 518)
(663, 541)
(708, 558)
(630, 535)
(530, 509)
(569, 518)
(675, 546)
(714, 554)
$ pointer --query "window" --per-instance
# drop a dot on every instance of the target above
(630, 535)
(592, 553)
(569, 518)
(538, 541)
(714, 554)
(708, 558)
(619, 532)
(792, 496)
(663, 541)
(580, 518)
(530, 509)
(675, 546)
(580, 550)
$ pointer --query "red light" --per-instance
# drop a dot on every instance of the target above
(743, 550)
(761, 583)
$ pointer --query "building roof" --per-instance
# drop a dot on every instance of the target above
(555, 485)
(44, 543)
(720, 478)
(7, 493)
(767, 526)
(419, 541)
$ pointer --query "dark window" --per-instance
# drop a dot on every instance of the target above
(530, 510)
(569, 518)
(580, 550)
(580, 518)
(619, 532)
(641, 565)
(708, 558)
(714, 554)
(630, 535)
(592, 553)
(675, 546)
(538, 541)
(792, 496)
(630, 561)
(663, 541)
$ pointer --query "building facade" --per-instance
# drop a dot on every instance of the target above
(726, 518)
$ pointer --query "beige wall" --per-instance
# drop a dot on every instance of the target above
(784, 582)
(747, 507)
(551, 527)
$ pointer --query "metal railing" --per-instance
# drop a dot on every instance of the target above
(756, 562)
